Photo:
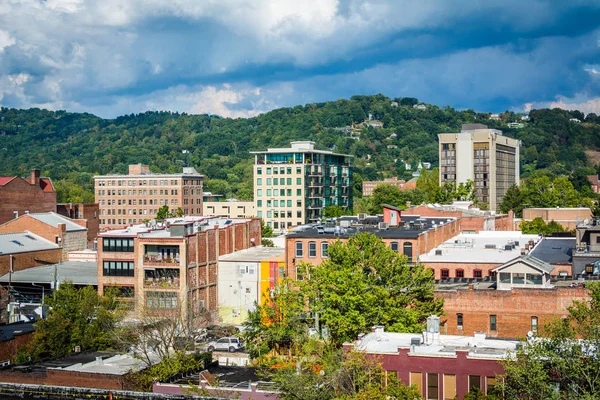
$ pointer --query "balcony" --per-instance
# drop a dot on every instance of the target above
(161, 255)
(161, 278)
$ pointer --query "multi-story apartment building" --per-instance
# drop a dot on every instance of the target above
(172, 265)
(131, 199)
(292, 185)
(369, 186)
(483, 156)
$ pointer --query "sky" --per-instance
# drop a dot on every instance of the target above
(240, 58)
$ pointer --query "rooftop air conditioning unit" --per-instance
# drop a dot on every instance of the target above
(438, 252)
(362, 217)
(383, 225)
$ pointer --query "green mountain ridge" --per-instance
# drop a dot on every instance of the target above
(73, 147)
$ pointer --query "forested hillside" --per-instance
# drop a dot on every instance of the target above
(72, 147)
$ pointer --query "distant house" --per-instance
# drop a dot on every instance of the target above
(574, 120)
(525, 118)
(595, 183)
(515, 125)
(20, 196)
(374, 124)
(420, 106)
(494, 117)
(394, 104)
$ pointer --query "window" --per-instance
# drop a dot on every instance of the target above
(324, 248)
(597, 239)
(124, 245)
(118, 268)
(432, 386)
(459, 319)
(445, 273)
(504, 277)
(416, 379)
(299, 250)
(534, 279)
(459, 273)
(589, 269)
(269, 181)
(259, 203)
(161, 300)
(477, 273)
(289, 181)
(449, 387)
(518, 278)
(259, 171)
(492, 322)
(259, 192)
(259, 181)
(312, 249)
(534, 324)
(474, 382)
(394, 246)
(259, 214)
(268, 171)
(269, 192)
(490, 385)
(298, 181)
(408, 251)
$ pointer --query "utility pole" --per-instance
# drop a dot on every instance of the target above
(10, 272)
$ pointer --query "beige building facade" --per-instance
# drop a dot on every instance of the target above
(293, 185)
(229, 209)
(483, 156)
(369, 186)
(131, 199)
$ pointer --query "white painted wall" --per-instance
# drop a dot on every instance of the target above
(237, 290)
(464, 158)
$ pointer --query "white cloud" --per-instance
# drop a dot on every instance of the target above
(580, 102)
(5, 40)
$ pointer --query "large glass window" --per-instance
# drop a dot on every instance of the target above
(123, 245)
(504, 277)
(518, 278)
(534, 279)
(161, 300)
(118, 268)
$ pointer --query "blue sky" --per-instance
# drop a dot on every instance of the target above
(243, 57)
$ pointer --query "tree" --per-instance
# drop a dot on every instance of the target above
(564, 364)
(538, 226)
(266, 230)
(365, 283)
(163, 213)
(335, 211)
(77, 317)
(385, 194)
(512, 200)
(429, 182)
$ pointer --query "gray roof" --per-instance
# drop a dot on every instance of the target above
(53, 219)
(253, 254)
(79, 272)
(23, 242)
(531, 261)
(555, 250)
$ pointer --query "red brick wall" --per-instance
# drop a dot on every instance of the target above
(567, 217)
(513, 309)
(18, 195)
(468, 268)
(89, 217)
(9, 348)
(68, 378)
(28, 260)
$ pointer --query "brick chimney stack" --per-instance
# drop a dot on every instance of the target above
(35, 177)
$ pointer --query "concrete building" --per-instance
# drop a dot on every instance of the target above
(586, 258)
(132, 199)
(569, 218)
(483, 156)
(69, 234)
(247, 277)
(25, 195)
(88, 212)
(411, 235)
(293, 185)
(476, 255)
(440, 366)
(369, 186)
(172, 265)
(229, 209)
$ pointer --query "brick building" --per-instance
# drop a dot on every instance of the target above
(22, 250)
(473, 220)
(595, 184)
(88, 212)
(409, 235)
(22, 195)
(369, 186)
(476, 255)
(440, 366)
(169, 265)
(569, 218)
(131, 199)
(69, 234)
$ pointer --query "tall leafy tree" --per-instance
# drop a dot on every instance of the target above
(365, 283)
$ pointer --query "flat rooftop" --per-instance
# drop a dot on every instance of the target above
(253, 254)
(411, 226)
(478, 346)
(24, 242)
(482, 247)
(555, 250)
(84, 273)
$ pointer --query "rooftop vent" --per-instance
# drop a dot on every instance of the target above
(490, 246)
(362, 217)
(383, 225)
(415, 341)
(438, 252)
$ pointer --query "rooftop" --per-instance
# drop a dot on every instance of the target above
(529, 260)
(113, 364)
(411, 226)
(9, 331)
(24, 242)
(483, 247)
(79, 272)
(253, 254)
(299, 147)
(53, 219)
(478, 346)
(555, 250)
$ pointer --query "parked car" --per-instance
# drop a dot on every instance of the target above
(231, 344)
(214, 332)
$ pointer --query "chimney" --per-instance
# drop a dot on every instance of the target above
(378, 330)
(35, 177)
(408, 204)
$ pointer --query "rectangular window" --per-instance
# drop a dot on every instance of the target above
(289, 203)
(299, 250)
(518, 278)
(269, 181)
(161, 300)
(269, 214)
(534, 279)
(259, 171)
(492, 322)
(324, 249)
(474, 382)
(490, 385)
(118, 268)
(416, 379)
(289, 181)
(268, 171)
(445, 273)
(259, 214)
(449, 387)
(298, 181)
(269, 192)
(298, 192)
(123, 245)
(459, 273)
(394, 246)
(504, 277)
(300, 272)
(259, 192)
(477, 273)
(312, 249)
(259, 203)
(432, 386)
(534, 324)
(459, 320)
(258, 182)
